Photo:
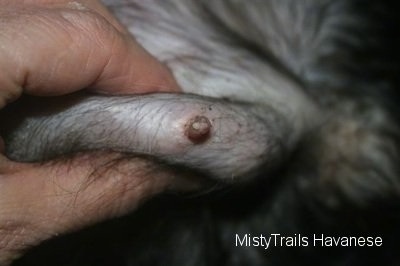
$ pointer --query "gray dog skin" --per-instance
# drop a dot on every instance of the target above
(299, 108)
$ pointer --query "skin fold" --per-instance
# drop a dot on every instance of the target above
(242, 138)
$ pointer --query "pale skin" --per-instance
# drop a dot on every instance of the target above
(56, 47)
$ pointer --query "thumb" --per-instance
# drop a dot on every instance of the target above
(57, 50)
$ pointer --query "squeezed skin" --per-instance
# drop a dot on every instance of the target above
(223, 139)
(245, 116)
(257, 116)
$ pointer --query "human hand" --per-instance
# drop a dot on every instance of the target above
(55, 47)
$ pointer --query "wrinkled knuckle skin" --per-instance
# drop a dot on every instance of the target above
(15, 238)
